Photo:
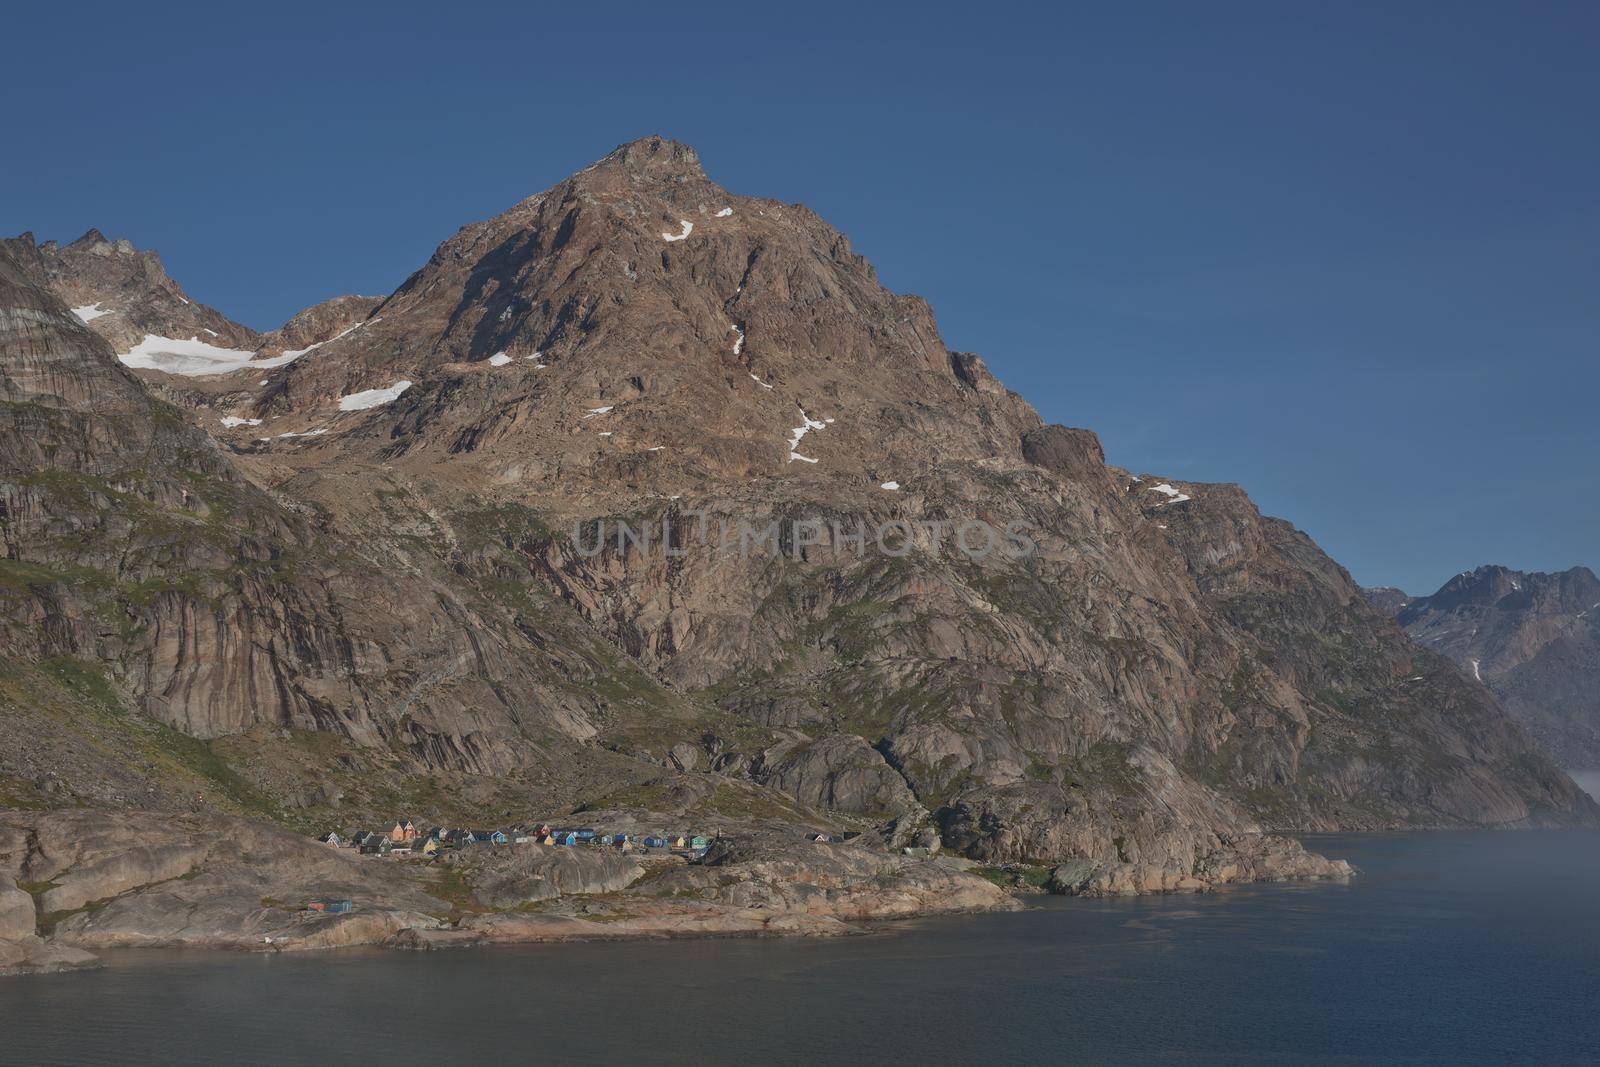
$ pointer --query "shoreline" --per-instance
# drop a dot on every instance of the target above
(89, 882)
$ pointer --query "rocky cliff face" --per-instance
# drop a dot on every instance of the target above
(1025, 653)
(139, 563)
(124, 294)
(1533, 640)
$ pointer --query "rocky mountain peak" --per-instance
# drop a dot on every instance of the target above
(655, 158)
(708, 325)
(97, 243)
(124, 294)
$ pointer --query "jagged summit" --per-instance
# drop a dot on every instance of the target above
(124, 293)
(654, 157)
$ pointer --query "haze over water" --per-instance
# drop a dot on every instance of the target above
(1451, 947)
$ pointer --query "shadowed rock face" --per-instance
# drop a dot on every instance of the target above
(1533, 639)
(1154, 670)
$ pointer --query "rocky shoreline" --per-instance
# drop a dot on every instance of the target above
(75, 882)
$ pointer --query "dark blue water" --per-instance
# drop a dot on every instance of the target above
(1451, 948)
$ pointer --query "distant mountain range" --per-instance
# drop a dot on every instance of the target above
(331, 570)
(1532, 638)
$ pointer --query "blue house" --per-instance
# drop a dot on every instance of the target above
(655, 842)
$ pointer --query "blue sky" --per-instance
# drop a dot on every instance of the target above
(1345, 255)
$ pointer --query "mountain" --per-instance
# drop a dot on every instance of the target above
(888, 590)
(1533, 639)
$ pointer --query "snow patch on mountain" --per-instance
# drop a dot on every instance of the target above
(1176, 496)
(371, 398)
(189, 359)
(807, 424)
(688, 228)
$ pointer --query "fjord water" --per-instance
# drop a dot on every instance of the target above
(1450, 947)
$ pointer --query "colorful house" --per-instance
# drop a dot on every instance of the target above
(330, 905)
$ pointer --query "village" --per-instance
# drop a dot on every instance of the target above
(405, 839)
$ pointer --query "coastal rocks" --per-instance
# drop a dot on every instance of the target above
(848, 882)
(34, 955)
(367, 926)
(111, 879)
(1234, 859)
(506, 878)
(1266, 858)
(17, 918)
(116, 874)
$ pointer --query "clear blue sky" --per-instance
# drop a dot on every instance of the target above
(1345, 255)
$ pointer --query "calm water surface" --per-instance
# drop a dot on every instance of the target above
(1469, 947)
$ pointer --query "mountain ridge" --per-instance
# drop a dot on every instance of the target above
(1531, 637)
